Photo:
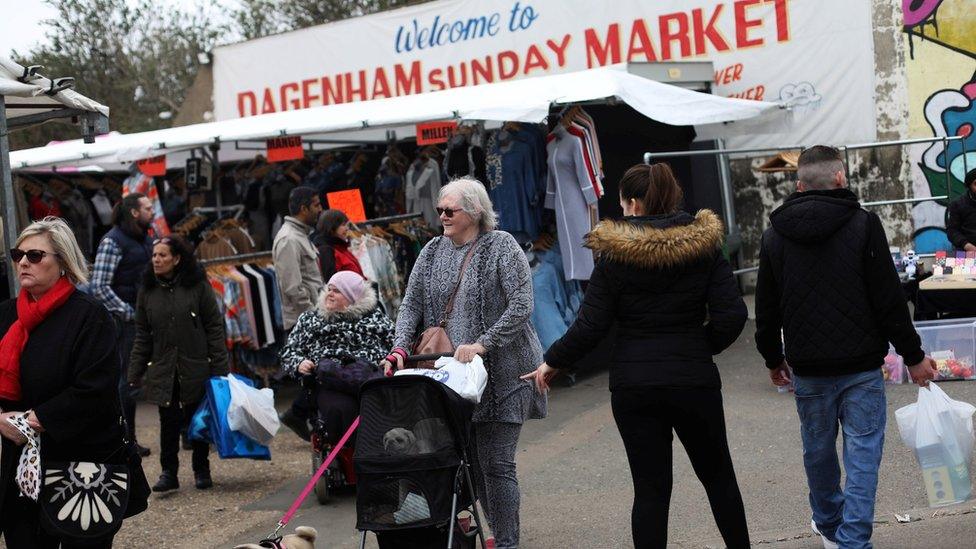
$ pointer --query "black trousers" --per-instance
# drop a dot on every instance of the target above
(20, 524)
(646, 418)
(173, 419)
(338, 411)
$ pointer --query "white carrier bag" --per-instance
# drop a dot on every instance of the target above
(468, 380)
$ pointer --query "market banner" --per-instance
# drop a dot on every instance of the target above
(817, 55)
(283, 149)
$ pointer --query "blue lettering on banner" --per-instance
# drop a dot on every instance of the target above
(419, 36)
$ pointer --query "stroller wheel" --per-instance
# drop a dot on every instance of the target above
(322, 488)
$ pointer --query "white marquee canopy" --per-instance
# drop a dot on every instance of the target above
(527, 100)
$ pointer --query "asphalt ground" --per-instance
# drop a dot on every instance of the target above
(576, 486)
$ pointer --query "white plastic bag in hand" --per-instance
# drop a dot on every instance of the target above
(252, 411)
(940, 432)
(468, 380)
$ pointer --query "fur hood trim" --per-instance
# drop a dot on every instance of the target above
(360, 309)
(639, 243)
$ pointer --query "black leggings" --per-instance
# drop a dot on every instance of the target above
(646, 417)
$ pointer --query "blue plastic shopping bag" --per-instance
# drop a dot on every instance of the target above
(209, 423)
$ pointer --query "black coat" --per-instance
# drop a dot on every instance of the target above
(179, 332)
(665, 282)
(826, 279)
(961, 224)
(69, 376)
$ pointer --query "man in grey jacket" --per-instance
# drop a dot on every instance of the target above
(299, 279)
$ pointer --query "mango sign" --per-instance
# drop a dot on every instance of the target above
(348, 202)
(282, 149)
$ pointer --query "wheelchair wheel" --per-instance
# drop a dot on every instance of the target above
(322, 488)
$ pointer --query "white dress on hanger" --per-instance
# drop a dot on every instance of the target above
(422, 190)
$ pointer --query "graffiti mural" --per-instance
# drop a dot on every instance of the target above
(941, 68)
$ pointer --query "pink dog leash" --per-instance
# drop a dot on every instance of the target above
(311, 483)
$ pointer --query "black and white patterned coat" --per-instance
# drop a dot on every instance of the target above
(493, 308)
(362, 332)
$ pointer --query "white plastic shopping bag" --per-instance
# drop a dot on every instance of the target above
(252, 411)
(940, 432)
(468, 380)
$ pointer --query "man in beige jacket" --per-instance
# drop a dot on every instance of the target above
(299, 280)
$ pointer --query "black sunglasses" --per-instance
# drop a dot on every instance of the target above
(34, 256)
(448, 211)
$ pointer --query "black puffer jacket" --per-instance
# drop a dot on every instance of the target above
(826, 279)
(664, 281)
(961, 224)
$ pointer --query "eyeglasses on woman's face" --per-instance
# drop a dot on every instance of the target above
(34, 256)
(448, 212)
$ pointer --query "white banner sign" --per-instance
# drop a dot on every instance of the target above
(817, 54)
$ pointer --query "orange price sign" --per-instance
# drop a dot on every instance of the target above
(282, 149)
(435, 133)
(348, 202)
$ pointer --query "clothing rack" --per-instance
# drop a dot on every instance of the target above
(391, 219)
(236, 258)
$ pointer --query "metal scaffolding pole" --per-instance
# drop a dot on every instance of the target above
(9, 207)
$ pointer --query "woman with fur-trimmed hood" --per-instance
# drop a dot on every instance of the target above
(347, 324)
(662, 278)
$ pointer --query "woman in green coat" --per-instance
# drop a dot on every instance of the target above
(179, 345)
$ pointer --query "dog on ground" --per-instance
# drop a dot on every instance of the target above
(303, 538)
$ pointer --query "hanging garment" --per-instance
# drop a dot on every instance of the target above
(518, 192)
(423, 186)
(570, 192)
(464, 159)
(263, 312)
(215, 247)
(387, 276)
(44, 205)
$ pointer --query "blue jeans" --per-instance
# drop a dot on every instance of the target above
(857, 403)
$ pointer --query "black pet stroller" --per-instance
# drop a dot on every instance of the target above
(413, 468)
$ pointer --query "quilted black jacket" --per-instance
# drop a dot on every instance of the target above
(826, 279)
(665, 282)
(961, 224)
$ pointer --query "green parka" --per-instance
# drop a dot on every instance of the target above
(179, 332)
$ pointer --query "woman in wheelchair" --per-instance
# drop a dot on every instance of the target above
(336, 346)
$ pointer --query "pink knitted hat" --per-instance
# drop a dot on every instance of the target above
(350, 284)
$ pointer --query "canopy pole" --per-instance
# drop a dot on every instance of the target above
(9, 207)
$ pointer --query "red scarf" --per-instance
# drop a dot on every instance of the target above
(30, 313)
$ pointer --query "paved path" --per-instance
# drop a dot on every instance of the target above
(577, 492)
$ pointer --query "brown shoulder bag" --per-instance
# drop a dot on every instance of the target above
(434, 340)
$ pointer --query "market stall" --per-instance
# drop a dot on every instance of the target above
(28, 98)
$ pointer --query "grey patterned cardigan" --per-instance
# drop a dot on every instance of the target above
(493, 308)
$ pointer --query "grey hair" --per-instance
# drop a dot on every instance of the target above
(473, 200)
(62, 239)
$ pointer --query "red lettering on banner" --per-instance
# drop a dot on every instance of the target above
(461, 80)
(361, 91)
(668, 35)
(435, 133)
(407, 84)
(436, 81)
(742, 25)
(289, 101)
(307, 96)
(252, 101)
(268, 104)
(640, 42)
(483, 73)
(782, 20)
(756, 93)
(560, 49)
(332, 90)
(513, 65)
(381, 87)
(709, 32)
(602, 53)
(535, 60)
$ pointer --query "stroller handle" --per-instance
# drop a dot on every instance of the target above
(425, 358)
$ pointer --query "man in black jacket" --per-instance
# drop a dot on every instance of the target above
(961, 224)
(827, 281)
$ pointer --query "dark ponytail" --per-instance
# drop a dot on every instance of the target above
(654, 186)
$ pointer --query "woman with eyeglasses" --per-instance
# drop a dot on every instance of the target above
(179, 345)
(59, 373)
(490, 318)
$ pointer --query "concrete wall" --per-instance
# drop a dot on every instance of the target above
(925, 86)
